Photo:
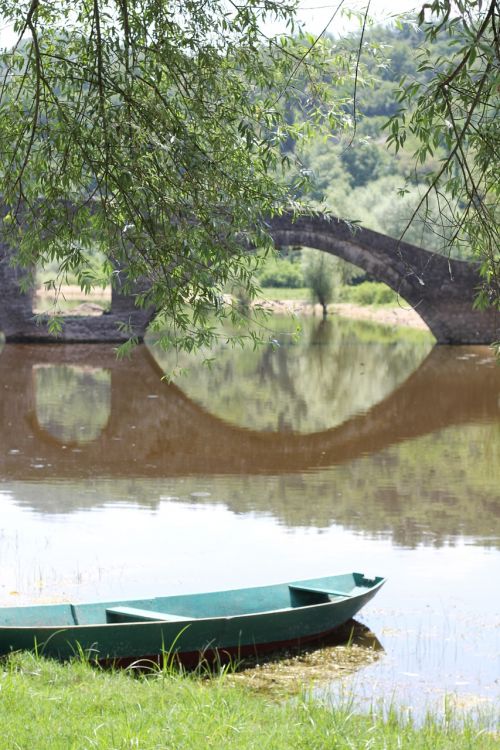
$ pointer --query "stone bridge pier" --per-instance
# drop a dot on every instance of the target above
(19, 324)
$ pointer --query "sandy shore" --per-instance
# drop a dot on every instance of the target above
(393, 316)
(389, 316)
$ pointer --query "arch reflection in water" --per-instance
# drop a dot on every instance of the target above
(155, 430)
(310, 383)
(72, 403)
(422, 463)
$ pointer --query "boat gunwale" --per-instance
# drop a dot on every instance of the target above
(189, 620)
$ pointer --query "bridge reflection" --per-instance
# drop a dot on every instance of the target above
(151, 428)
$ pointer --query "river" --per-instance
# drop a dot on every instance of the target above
(352, 447)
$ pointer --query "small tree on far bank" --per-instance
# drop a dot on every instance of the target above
(319, 276)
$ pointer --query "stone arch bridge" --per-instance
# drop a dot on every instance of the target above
(441, 290)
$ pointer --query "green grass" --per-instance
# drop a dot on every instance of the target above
(285, 293)
(75, 706)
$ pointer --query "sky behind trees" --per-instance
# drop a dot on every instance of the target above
(315, 15)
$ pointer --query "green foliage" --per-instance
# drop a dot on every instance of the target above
(391, 52)
(321, 157)
(366, 162)
(454, 108)
(155, 134)
(320, 274)
(360, 179)
(380, 206)
(49, 275)
(397, 194)
(281, 273)
(372, 293)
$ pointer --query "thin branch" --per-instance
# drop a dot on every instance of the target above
(308, 52)
(356, 74)
(38, 69)
(478, 36)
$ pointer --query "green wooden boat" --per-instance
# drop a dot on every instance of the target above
(235, 623)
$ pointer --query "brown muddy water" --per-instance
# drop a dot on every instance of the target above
(354, 448)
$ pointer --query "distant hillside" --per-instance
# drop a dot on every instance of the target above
(357, 177)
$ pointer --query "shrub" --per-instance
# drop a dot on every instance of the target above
(320, 274)
(281, 273)
(372, 293)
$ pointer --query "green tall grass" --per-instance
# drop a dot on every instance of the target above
(73, 706)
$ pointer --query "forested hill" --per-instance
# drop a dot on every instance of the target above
(361, 180)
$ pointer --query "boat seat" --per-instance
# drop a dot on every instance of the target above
(133, 614)
(317, 590)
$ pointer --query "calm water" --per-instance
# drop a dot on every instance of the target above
(355, 448)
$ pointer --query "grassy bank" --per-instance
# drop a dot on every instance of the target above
(301, 294)
(74, 706)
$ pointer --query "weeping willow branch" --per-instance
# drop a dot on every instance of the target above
(457, 113)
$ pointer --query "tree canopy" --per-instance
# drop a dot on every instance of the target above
(155, 132)
(162, 135)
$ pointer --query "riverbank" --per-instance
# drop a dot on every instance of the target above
(399, 315)
(73, 300)
(59, 706)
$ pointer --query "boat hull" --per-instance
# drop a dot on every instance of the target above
(311, 614)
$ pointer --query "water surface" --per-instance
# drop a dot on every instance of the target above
(355, 448)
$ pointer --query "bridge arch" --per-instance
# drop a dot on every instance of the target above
(440, 289)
